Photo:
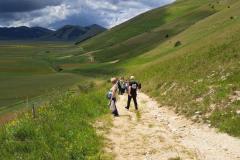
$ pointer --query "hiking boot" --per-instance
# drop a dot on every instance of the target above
(126, 108)
(116, 115)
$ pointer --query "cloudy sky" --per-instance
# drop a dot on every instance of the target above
(55, 13)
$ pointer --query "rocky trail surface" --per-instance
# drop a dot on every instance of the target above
(157, 133)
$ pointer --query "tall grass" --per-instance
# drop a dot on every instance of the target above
(62, 129)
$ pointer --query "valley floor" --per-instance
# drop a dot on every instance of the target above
(156, 133)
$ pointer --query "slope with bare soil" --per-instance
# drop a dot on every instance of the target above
(157, 133)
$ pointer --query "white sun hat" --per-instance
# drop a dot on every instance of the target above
(132, 77)
(113, 79)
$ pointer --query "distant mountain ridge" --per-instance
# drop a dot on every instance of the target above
(75, 33)
(23, 33)
(66, 33)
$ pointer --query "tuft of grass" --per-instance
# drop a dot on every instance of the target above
(175, 158)
(138, 115)
(150, 125)
(227, 119)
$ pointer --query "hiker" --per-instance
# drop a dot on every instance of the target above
(121, 86)
(112, 97)
(132, 93)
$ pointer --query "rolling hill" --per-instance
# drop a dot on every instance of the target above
(74, 33)
(23, 33)
(186, 54)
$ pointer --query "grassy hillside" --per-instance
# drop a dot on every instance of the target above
(146, 31)
(199, 77)
(62, 129)
(63, 126)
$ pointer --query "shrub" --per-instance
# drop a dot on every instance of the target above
(178, 43)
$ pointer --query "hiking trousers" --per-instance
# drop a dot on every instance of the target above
(134, 97)
(113, 107)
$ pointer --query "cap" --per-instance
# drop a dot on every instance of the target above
(132, 77)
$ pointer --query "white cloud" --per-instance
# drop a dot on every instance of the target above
(85, 12)
(44, 17)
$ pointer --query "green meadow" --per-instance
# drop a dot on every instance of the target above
(27, 70)
(186, 55)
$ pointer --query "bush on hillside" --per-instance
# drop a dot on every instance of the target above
(178, 43)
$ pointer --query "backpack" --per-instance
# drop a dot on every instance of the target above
(122, 85)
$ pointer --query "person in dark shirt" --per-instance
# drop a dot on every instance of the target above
(132, 93)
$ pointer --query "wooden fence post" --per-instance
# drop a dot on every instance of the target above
(33, 111)
(27, 102)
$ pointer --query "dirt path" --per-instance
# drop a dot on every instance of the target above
(156, 133)
(90, 55)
